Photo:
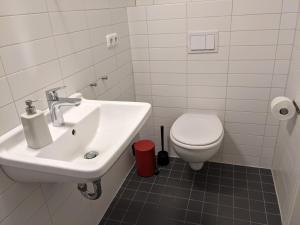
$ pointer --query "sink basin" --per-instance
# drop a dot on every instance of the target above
(105, 128)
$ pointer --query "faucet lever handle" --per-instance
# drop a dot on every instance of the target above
(52, 93)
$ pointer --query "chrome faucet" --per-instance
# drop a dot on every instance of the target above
(55, 103)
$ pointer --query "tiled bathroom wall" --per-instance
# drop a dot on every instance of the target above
(237, 83)
(50, 43)
(286, 167)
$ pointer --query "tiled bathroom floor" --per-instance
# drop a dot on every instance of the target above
(219, 194)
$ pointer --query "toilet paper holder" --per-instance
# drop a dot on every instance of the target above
(296, 106)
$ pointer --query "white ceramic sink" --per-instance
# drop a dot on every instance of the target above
(106, 127)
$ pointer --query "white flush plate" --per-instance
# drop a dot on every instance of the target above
(200, 42)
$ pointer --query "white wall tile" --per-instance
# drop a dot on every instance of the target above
(250, 80)
(167, 53)
(28, 81)
(26, 209)
(286, 37)
(288, 20)
(16, 29)
(260, 37)
(139, 27)
(74, 42)
(210, 23)
(262, 66)
(168, 90)
(248, 93)
(243, 128)
(161, 12)
(167, 101)
(22, 56)
(256, 22)
(207, 80)
(13, 7)
(207, 67)
(252, 52)
(5, 95)
(65, 5)
(168, 66)
(65, 22)
(136, 13)
(2, 73)
(247, 105)
(210, 8)
(167, 40)
(96, 18)
(206, 92)
(167, 26)
(290, 5)
(245, 117)
(78, 61)
(256, 6)
(168, 78)
(206, 103)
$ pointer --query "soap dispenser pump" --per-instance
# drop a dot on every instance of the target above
(35, 126)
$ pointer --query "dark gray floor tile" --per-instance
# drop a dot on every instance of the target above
(210, 208)
(268, 188)
(225, 190)
(265, 172)
(256, 195)
(241, 222)
(193, 217)
(253, 177)
(254, 186)
(270, 197)
(226, 181)
(240, 193)
(257, 206)
(274, 219)
(128, 194)
(211, 198)
(240, 184)
(218, 194)
(224, 221)
(197, 195)
(226, 200)
(253, 170)
(258, 217)
(241, 214)
(180, 203)
(226, 212)
(242, 203)
(272, 208)
(267, 179)
(195, 205)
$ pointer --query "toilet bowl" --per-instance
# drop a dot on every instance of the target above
(196, 138)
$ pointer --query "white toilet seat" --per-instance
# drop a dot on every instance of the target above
(197, 131)
(196, 147)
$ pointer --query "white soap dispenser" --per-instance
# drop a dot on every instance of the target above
(35, 126)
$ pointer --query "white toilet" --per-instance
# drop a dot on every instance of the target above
(196, 138)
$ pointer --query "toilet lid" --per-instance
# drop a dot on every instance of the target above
(197, 129)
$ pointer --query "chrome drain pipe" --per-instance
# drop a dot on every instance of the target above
(82, 187)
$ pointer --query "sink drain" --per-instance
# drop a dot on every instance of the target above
(91, 155)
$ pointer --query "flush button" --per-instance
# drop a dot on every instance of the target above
(210, 42)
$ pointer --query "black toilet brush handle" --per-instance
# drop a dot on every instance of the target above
(162, 137)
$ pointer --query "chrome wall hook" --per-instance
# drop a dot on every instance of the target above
(93, 84)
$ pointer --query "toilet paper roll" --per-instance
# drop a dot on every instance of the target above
(283, 108)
